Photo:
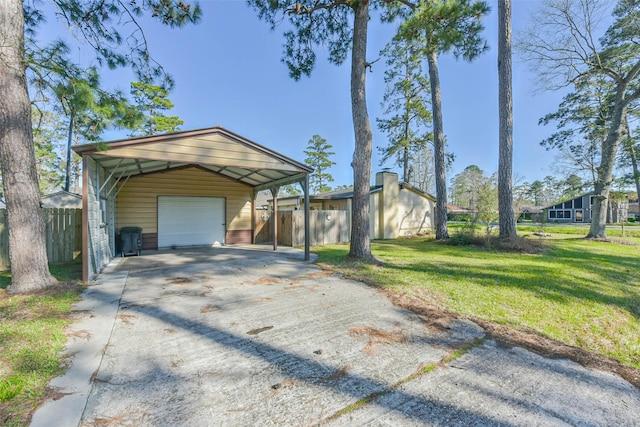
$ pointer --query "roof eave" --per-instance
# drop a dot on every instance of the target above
(142, 140)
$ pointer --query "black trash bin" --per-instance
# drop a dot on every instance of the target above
(130, 240)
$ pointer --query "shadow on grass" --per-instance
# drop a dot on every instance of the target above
(5, 279)
(64, 272)
(559, 274)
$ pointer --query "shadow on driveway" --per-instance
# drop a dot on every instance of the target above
(236, 336)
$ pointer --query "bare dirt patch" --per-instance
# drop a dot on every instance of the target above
(127, 318)
(338, 373)
(314, 275)
(208, 308)
(376, 336)
(129, 419)
(81, 334)
(288, 383)
(263, 281)
(179, 280)
(259, 330)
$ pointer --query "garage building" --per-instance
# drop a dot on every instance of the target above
(190, 188)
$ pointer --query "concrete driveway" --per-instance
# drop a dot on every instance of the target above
(240, 336)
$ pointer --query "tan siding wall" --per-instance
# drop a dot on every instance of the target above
(416, 213)
(137, 203)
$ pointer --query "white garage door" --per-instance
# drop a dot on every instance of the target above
(190, 221)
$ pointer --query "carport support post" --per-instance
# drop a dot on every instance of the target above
(274, 194)
(85, 219)
(305, 188)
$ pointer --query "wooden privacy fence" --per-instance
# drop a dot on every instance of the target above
(331, 226)
(63, 234)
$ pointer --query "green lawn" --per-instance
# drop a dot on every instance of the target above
(584, 293)
(31, 339)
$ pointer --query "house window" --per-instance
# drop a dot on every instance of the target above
(568, 205)
(559, 214)
(558, 206)
(104, 212)
(578, 203)
(590, 200)
(579, 215)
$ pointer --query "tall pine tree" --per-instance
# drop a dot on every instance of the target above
(318, 157)
(445, 25)
(98, 23)
(406, 105)
(152, 101)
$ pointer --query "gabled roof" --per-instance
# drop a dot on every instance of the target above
(347, 193)
(342, 194)
(62, 199)
(216, 149)
(404, 185)
(63, 193)
(451, 208)
(590, 193)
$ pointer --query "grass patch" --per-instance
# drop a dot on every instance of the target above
(31, 339)
(584, 293)
(612, 230)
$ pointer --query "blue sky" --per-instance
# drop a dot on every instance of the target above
(228, 72)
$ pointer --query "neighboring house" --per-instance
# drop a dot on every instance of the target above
(62, 199)
(530, 213)
(396, 208)
(458, 213)
(59, 199)
(189, 188)
(579, 210)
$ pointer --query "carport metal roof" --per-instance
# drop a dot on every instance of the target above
(216, 149)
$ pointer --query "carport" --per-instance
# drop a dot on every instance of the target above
(187, 188)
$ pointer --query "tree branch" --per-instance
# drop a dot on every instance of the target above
(301, 9)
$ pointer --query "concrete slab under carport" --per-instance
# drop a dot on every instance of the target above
(249, 336)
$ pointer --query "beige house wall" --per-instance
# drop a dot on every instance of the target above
(374, 216)
(137, 202)
(389, 221)
(415, 213)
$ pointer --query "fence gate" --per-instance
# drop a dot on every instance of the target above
(325, 227)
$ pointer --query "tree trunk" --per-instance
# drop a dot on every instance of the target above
(405, 172)
(360, 241)
(505, 100)
(636, 173)
(67, 176)
(407, 120)
(631, 149)
(598, 229)
(438, 149)
(27, 245)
